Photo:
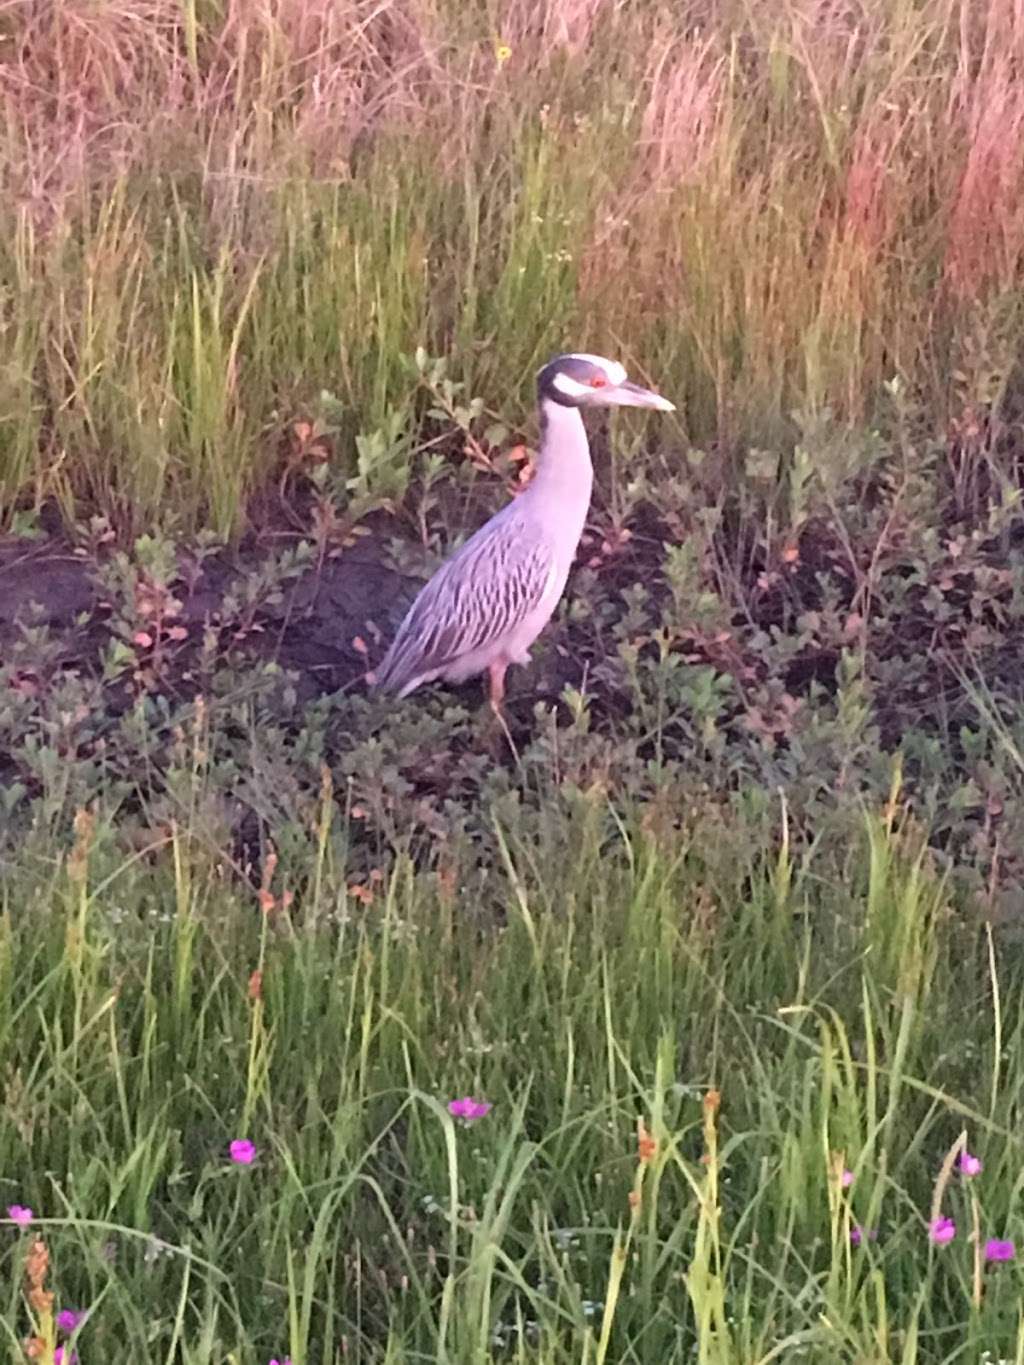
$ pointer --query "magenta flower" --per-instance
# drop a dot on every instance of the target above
(969, 1164)
(996, 1250)
(941, 1231)
(69, 1320)
(859, 1234)
(243, 1153)
(17, 1213)
(287, 1361)
(846, 1179)
(62, 1357)
(468, 1108)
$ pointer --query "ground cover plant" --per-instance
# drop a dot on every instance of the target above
(687, 1026)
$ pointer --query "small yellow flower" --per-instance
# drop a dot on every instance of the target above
(502, 52)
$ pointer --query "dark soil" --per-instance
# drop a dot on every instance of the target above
(327, 626)
(328, 621)
(310, 631)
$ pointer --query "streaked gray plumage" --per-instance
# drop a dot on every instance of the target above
(485, 606)
(479, 595)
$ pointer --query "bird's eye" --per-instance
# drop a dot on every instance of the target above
(598, 382)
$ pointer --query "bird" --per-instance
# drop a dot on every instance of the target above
(485, 606)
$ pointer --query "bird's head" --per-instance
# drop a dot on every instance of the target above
(591, 381)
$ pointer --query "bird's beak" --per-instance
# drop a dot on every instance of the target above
(627, 395)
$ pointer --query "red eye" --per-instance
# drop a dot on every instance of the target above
(598, 382)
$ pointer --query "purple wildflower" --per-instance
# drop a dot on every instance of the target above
(846, 1179)
(17, 1213)
(69, 1320)
(859, 1234)
(62, 1357)
(997, 1250)
(941, 1231)
(969, 1164)
(287, 1361)
(243, 1153)
(468, 1108)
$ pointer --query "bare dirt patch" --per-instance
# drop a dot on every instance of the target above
(309, 625)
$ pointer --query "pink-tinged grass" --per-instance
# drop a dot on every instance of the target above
(772, 209)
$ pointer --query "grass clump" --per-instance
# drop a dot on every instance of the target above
(212, 214)
(764, 1018)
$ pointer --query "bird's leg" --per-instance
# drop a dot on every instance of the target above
(497, 676)
(496, 672)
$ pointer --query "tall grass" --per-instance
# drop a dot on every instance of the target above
(212, 211)
(762, 1022)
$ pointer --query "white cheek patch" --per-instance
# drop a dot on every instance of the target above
(570, 387)
(616, 373)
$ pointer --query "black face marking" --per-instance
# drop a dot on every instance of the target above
(581, 370)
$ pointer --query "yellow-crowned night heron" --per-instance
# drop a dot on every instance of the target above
(485, 606)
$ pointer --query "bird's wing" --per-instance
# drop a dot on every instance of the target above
(484, 591)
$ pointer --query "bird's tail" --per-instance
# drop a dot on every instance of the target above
(392, 674)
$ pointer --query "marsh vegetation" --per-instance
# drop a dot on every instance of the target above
(732, 944)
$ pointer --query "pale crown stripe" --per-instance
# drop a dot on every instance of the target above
(616, 373)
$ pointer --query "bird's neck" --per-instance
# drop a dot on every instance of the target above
(564, 473)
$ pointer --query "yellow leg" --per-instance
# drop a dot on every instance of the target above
(497, 678)
(497, 675)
